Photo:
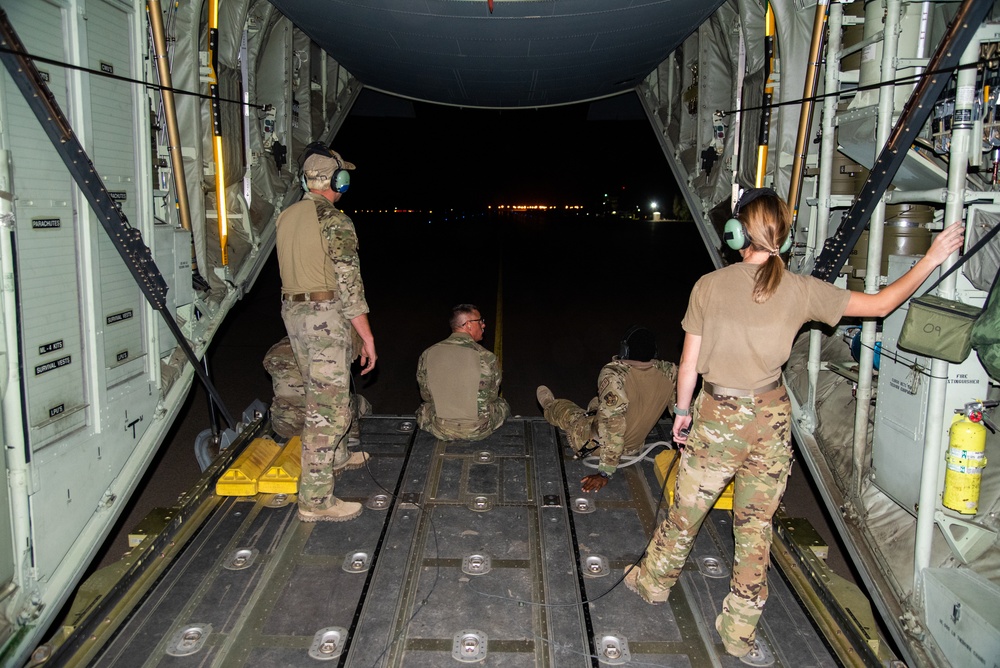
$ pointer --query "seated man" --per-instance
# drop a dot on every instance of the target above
(288, 409)
(460, 382)
(633, 390)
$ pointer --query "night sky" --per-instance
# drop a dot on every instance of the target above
(420, 156)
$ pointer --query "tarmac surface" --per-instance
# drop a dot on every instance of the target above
(557, 294)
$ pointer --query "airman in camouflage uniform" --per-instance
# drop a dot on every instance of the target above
(289, 404)
(323, 297)
(633, 391)
(460, 382)
(739, 328)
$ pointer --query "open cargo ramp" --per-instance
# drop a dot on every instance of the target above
(479, 552)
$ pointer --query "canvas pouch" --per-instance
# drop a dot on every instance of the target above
(939, 328)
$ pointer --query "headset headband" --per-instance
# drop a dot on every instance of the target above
(316, 147)
(749, 195)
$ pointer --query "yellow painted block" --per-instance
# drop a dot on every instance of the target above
(662, 462)
(242, 477)
(282, 476)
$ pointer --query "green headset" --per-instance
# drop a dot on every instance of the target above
(735, 232)
(340, 181)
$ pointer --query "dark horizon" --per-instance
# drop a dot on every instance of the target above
(413, 155)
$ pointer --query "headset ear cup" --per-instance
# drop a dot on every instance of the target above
(302, 182)
(623, 349)
(735, 235)
(787, 244)
(341, 180)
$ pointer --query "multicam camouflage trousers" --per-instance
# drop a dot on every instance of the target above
(321, 340)
(576, 422)
(288, 408)
(463, 430)
(745, 437)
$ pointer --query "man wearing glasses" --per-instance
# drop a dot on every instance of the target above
(460, 382)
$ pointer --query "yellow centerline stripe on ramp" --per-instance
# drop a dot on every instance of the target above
(498, 328)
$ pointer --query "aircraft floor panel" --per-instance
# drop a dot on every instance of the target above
(483, 552)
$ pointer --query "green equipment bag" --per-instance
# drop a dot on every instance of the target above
(939, 328)
(986, 333)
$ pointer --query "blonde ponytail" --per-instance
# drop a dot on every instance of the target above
(768, 223)
(768, 278)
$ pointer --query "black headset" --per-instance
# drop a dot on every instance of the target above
(623, 347)
(735, 233)
(340, 181)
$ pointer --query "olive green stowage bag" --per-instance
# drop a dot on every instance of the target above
(939, 328)
(986, 333)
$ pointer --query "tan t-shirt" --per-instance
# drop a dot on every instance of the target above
(650, 389)
(745, 344)
(317, 249)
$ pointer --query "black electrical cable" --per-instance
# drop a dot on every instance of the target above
(118, 77)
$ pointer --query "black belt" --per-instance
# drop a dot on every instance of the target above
(719, 391)
(325, 296)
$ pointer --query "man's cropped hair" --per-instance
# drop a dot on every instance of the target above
(460, 313)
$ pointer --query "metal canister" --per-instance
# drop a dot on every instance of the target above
(905, 233)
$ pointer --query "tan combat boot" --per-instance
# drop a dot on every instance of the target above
(632, 584)
(340, 511)
(544, 396)
(355, 461)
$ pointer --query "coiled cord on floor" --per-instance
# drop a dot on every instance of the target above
(593, 461)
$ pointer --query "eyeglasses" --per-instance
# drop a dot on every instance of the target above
(482, 320)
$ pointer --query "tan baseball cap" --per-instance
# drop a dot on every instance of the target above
(318, 166)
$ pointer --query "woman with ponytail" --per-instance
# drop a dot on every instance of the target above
(739, 327)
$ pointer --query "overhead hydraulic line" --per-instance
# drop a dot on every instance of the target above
(126, 239)
(910, 79)
(148, 84)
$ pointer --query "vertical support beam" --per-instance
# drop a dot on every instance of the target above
(220, 162)
(806, 113)
(764, 132)
(962, 138)
(169, 112)
(873, 270)
(17, 451)
(245, 77)
(827, 148)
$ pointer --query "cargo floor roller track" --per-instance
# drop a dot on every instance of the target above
(466, 553)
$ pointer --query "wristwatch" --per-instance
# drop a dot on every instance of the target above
(603, 474)
(681, 411)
